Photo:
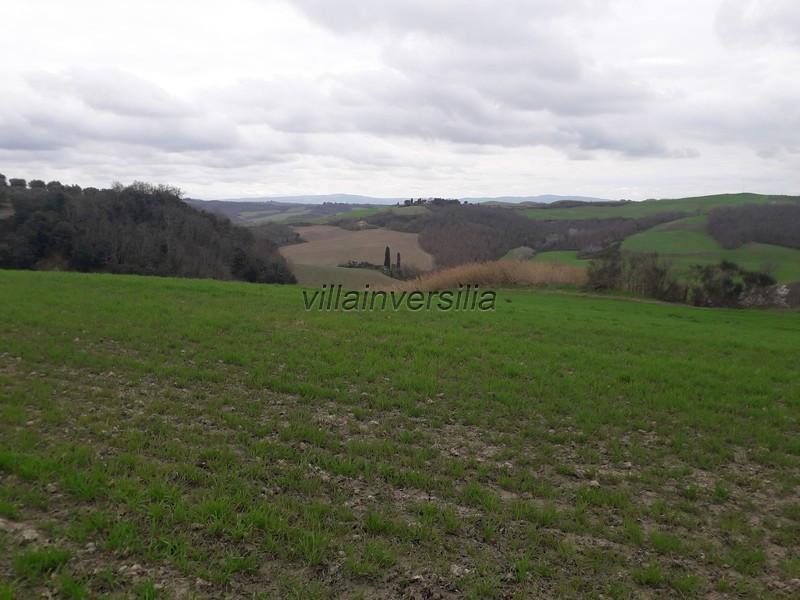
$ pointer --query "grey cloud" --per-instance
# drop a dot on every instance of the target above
(58, 110)
(17, 133)
(477, 21)
(767, 123)
(111, 91)
(475, 72)
(759, 21)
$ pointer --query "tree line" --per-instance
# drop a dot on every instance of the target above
(138, 229)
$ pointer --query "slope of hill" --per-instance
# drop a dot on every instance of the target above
(686, 242)
(229, 443)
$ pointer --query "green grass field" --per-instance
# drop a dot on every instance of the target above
(700, 204)
(166, 437)
(317, 275)
(686, 243)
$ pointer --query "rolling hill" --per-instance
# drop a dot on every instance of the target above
(330, 207)
(699, 205)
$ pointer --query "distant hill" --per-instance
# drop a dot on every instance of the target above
(543, 199)
(381, 201)
(257, 212)
(326, 207)
(633, 210)
(312, 199)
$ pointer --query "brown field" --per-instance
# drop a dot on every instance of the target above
(331, 246)
(499, 273)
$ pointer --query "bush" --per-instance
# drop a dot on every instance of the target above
(647, 275)
(639, 274)
(725, 284)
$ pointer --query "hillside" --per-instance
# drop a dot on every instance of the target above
(686, 242)
(561, 445)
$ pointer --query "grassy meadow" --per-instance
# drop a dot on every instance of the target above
(318, 275)
(195, 438)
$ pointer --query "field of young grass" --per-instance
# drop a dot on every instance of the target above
(631, 210)
(686, 243)
(165, 437)
(356, 279)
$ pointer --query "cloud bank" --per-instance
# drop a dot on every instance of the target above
(454, 97)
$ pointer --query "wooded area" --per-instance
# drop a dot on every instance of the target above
(139, 229)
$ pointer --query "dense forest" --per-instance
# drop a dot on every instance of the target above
(138, 229)
(777, 224)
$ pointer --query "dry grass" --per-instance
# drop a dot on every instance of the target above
(506, 273)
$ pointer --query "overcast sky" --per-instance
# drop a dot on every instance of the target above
(610, 98)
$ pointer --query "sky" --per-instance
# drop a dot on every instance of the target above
(242, 98)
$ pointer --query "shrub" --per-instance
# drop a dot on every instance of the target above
(724, 284)
(647, 275)
(639, 274)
